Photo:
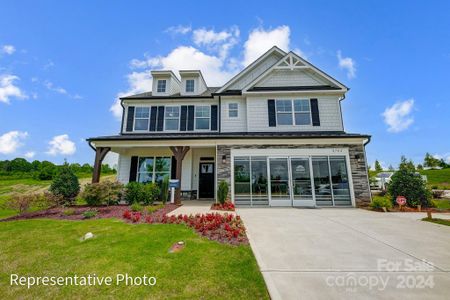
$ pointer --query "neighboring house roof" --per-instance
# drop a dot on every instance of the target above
(230, 135)
(384, 174)
(294, 88)
(148, 95)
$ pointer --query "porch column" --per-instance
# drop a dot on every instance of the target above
(100, 153)
(179, 152)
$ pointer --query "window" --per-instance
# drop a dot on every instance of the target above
(190, 86)
(141, 118)
(171, 117)
(202, 116)
(232, 110)
(293, 112)
(302, 112)
(284, 112)
(161, 88)
(153, 169)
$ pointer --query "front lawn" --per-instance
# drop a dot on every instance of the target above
(203, 270)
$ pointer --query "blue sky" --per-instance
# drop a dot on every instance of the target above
(63, 64)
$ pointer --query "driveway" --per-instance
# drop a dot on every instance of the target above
(341, 253)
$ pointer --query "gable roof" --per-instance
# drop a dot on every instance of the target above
(273, 50)
(292, 61)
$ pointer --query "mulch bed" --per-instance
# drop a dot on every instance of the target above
(103, 212)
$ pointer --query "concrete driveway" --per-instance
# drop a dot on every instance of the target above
(341, 253)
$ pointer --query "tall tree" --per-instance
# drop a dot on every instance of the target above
(378, 167)
(430, 161)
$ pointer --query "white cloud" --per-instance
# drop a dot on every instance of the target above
(179, 29)
(8, 89)
(260, 40)
(206, 37)
(60, 90)
(61, 144)
(11, 141)
(29, 154)
(398, 116)
(444, 156)
(348, 64)
(8, 49)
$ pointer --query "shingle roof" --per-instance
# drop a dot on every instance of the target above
(148, 95)
(228, 135)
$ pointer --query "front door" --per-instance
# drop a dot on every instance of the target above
(206, 180)
(280, 189)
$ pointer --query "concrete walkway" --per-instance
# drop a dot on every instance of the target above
(349, 253)
(196, 207)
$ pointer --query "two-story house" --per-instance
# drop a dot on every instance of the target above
(274, 132)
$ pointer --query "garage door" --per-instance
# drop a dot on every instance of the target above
(291, 181)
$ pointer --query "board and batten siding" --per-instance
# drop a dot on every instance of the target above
(329, 112)
(238, 124)
(123, 168)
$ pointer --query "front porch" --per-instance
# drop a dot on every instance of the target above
(193, 166)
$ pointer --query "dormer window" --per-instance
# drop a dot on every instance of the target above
(190, 85)
(161, 88)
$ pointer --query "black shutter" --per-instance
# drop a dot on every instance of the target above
(133, 168)
(190, 122)
(271, 111)
(153, 113)
(173, 170)
(130, 118)
(315, 112)
(160, 123)
(214, 117)
(183, 118)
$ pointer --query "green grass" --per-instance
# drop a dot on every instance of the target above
(439, 178)
(441, 203)
(203, 270)
(438, 221)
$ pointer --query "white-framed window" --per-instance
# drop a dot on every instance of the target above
(233, 110)
(171, 118)
(293, 112)
(153, 169)
(302, 112)
(141, 118)
(202, 117)
(284, 112)
(161, 86)
(190, 85)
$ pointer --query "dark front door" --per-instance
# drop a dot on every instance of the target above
(206, 180)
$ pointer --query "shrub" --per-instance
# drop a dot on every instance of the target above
(380, 202)
(222, 191)
(52, 199)
(107, 192)
(21, 202)
(89, 214)
(406, 183)
(133, 192)
(165, 189)
(151, 193)
(69, 212)
(136, 207)
(66, 184)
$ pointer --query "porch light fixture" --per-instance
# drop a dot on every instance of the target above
(224, 159)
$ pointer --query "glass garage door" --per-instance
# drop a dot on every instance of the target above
(291, 181)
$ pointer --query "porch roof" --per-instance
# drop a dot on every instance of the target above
(230, 135)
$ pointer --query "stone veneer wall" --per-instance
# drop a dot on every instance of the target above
(359, 169)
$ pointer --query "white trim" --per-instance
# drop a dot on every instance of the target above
(250, 66)
(179, 119)
(195, 118)
(134, 118)
(306, 63)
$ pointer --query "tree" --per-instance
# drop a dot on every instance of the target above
(391, 168)
(419, 167)
(378, 167)
(75, 167)
(443, 164)
(87, 168)
(20, 165)
(36, 165)
(406, 182)
(66, 184)
(430, 161)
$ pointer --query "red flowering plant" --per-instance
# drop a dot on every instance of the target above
(135, 217)
(227, 206)
(127, 215)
